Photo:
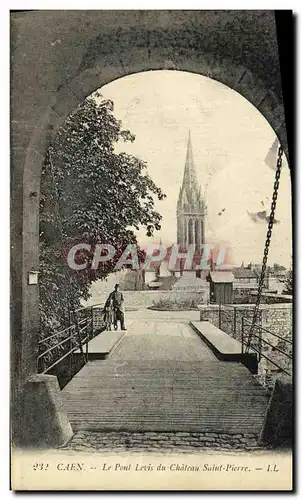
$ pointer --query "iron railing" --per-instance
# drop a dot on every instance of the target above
(63, 343)
(238, 326)
(235, 319)
(262, 343)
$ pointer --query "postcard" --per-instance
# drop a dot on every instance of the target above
(151, 251)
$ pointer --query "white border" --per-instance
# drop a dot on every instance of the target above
(295, 5)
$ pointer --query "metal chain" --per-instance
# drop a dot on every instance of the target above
(266, 247)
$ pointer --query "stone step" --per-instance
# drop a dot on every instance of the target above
(101, 345)
(224, 346)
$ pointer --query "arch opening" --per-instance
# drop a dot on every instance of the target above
(93, 54)
(227, 160)
(65, 101)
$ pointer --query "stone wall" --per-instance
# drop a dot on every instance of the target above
(230, 320)
(242, 296)
(275, 317)
(145, 299)
(269, 298)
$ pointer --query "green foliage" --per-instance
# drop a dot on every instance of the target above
(90, 194)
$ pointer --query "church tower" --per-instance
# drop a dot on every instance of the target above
(190, 206)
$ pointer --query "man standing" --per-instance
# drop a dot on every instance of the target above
(117, 301)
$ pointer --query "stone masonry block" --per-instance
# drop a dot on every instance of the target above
(45, 422)
(277, 428)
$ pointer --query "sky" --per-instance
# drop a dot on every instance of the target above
(230, 140)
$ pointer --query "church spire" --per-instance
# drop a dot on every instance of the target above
(190, 193)
(190, 206)
(190, 177)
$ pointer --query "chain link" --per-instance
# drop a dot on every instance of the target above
(266, 247)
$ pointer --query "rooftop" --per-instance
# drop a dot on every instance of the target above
(243, 272)
(221, 276)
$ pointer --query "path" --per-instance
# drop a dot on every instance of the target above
(161, 340)
(162, 377)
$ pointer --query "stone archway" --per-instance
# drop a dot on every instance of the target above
(80, 52)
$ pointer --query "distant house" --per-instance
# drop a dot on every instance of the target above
(245, 277)
(155, 285)
(162, 283)
(133, 280)
(167, 282)
(158, 277)
(279, 274)
(221, 286)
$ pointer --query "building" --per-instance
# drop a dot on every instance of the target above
(190, 207)
(190, 215)
(133, 280)
(245, 278)
(221, 287)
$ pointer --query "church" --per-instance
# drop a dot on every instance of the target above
(190, 206)
(190, 215)
(217, 284)
(191, 209)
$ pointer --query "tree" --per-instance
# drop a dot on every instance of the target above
(90, 194)
(277, 267)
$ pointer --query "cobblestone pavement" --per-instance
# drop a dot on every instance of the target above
(163, 441)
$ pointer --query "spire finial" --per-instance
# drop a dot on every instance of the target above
(190, 178)
(190, 193)
(189, 141)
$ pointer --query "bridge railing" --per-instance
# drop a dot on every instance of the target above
(274, 351)
(270, 347)
(85, 323)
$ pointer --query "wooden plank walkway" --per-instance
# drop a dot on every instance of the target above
(166, 390)
(170, 396)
